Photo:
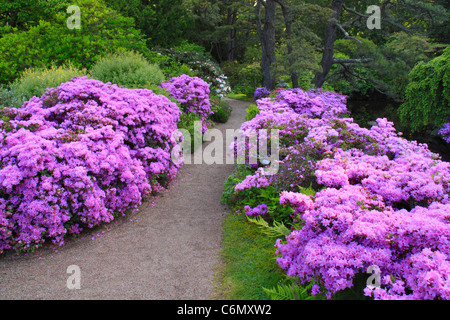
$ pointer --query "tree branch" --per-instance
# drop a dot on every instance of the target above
(347, 61)
(346, 69)
(385, 19)
(347, 36)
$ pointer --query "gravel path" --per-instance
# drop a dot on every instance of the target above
(167, 250)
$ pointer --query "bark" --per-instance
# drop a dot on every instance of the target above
(231, 21)
(330, 38)
(287, 16)
(266, 35)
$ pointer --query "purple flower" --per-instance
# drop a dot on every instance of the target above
(80, 155)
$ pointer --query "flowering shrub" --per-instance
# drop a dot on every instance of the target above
(80, 155)
(445, 132)
(349, 229)
(374, 198)
(261, 93)
(193, 95)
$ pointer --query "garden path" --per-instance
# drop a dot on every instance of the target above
(167, 250)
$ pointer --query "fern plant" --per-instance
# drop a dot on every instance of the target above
(291, 291)
(277, 230)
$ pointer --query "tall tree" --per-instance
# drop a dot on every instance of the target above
(411, 17)
(265, 28)
(328, 46)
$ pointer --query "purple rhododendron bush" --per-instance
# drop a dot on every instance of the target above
(79, 156)
(193, 95)
(445, 132)
(378, 200)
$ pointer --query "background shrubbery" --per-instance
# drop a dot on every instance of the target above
(34, 81)
(103, 30)
(127, 69)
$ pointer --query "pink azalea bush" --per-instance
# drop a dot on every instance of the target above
(193, 95)
(80, 155)
(380, 200)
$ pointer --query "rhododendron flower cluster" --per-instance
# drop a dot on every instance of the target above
(380, 200)
(314, 102)
(261, 93)
(445, 132)
(193, 95)
(80, 155)
(257, 211)
(347, 230)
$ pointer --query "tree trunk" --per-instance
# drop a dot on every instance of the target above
(328, 49)
(267, 38)
(231, 21)
(288, 24)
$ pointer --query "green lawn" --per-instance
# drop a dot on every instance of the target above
(249, 263)
(240, 96)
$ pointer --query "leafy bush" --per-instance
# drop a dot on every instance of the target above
(252, 110)
(427, 95)
(79, 156)
(50, 43)
(189, 122)
(221, 109)
(173, 62)
(388, 71)
(35, 81)
(251, 78)
(127, 69)
(9, 97)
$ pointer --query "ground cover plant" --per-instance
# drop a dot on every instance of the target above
(359, 198)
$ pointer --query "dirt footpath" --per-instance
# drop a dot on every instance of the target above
(166, 250)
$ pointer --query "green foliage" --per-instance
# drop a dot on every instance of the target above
(23, 14)
(291, 291)
(127, 69)
(252, 111)
(188, 122)
(164, 23)
(271, 197)
(387, 72)
(277, 230)
(244, 78)
(249, 258)
(9, 98)
(427, 94)
(221, 108)
(229, 196)
(102, 30)
(231, 69)
(34, 81)
(250, 78)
